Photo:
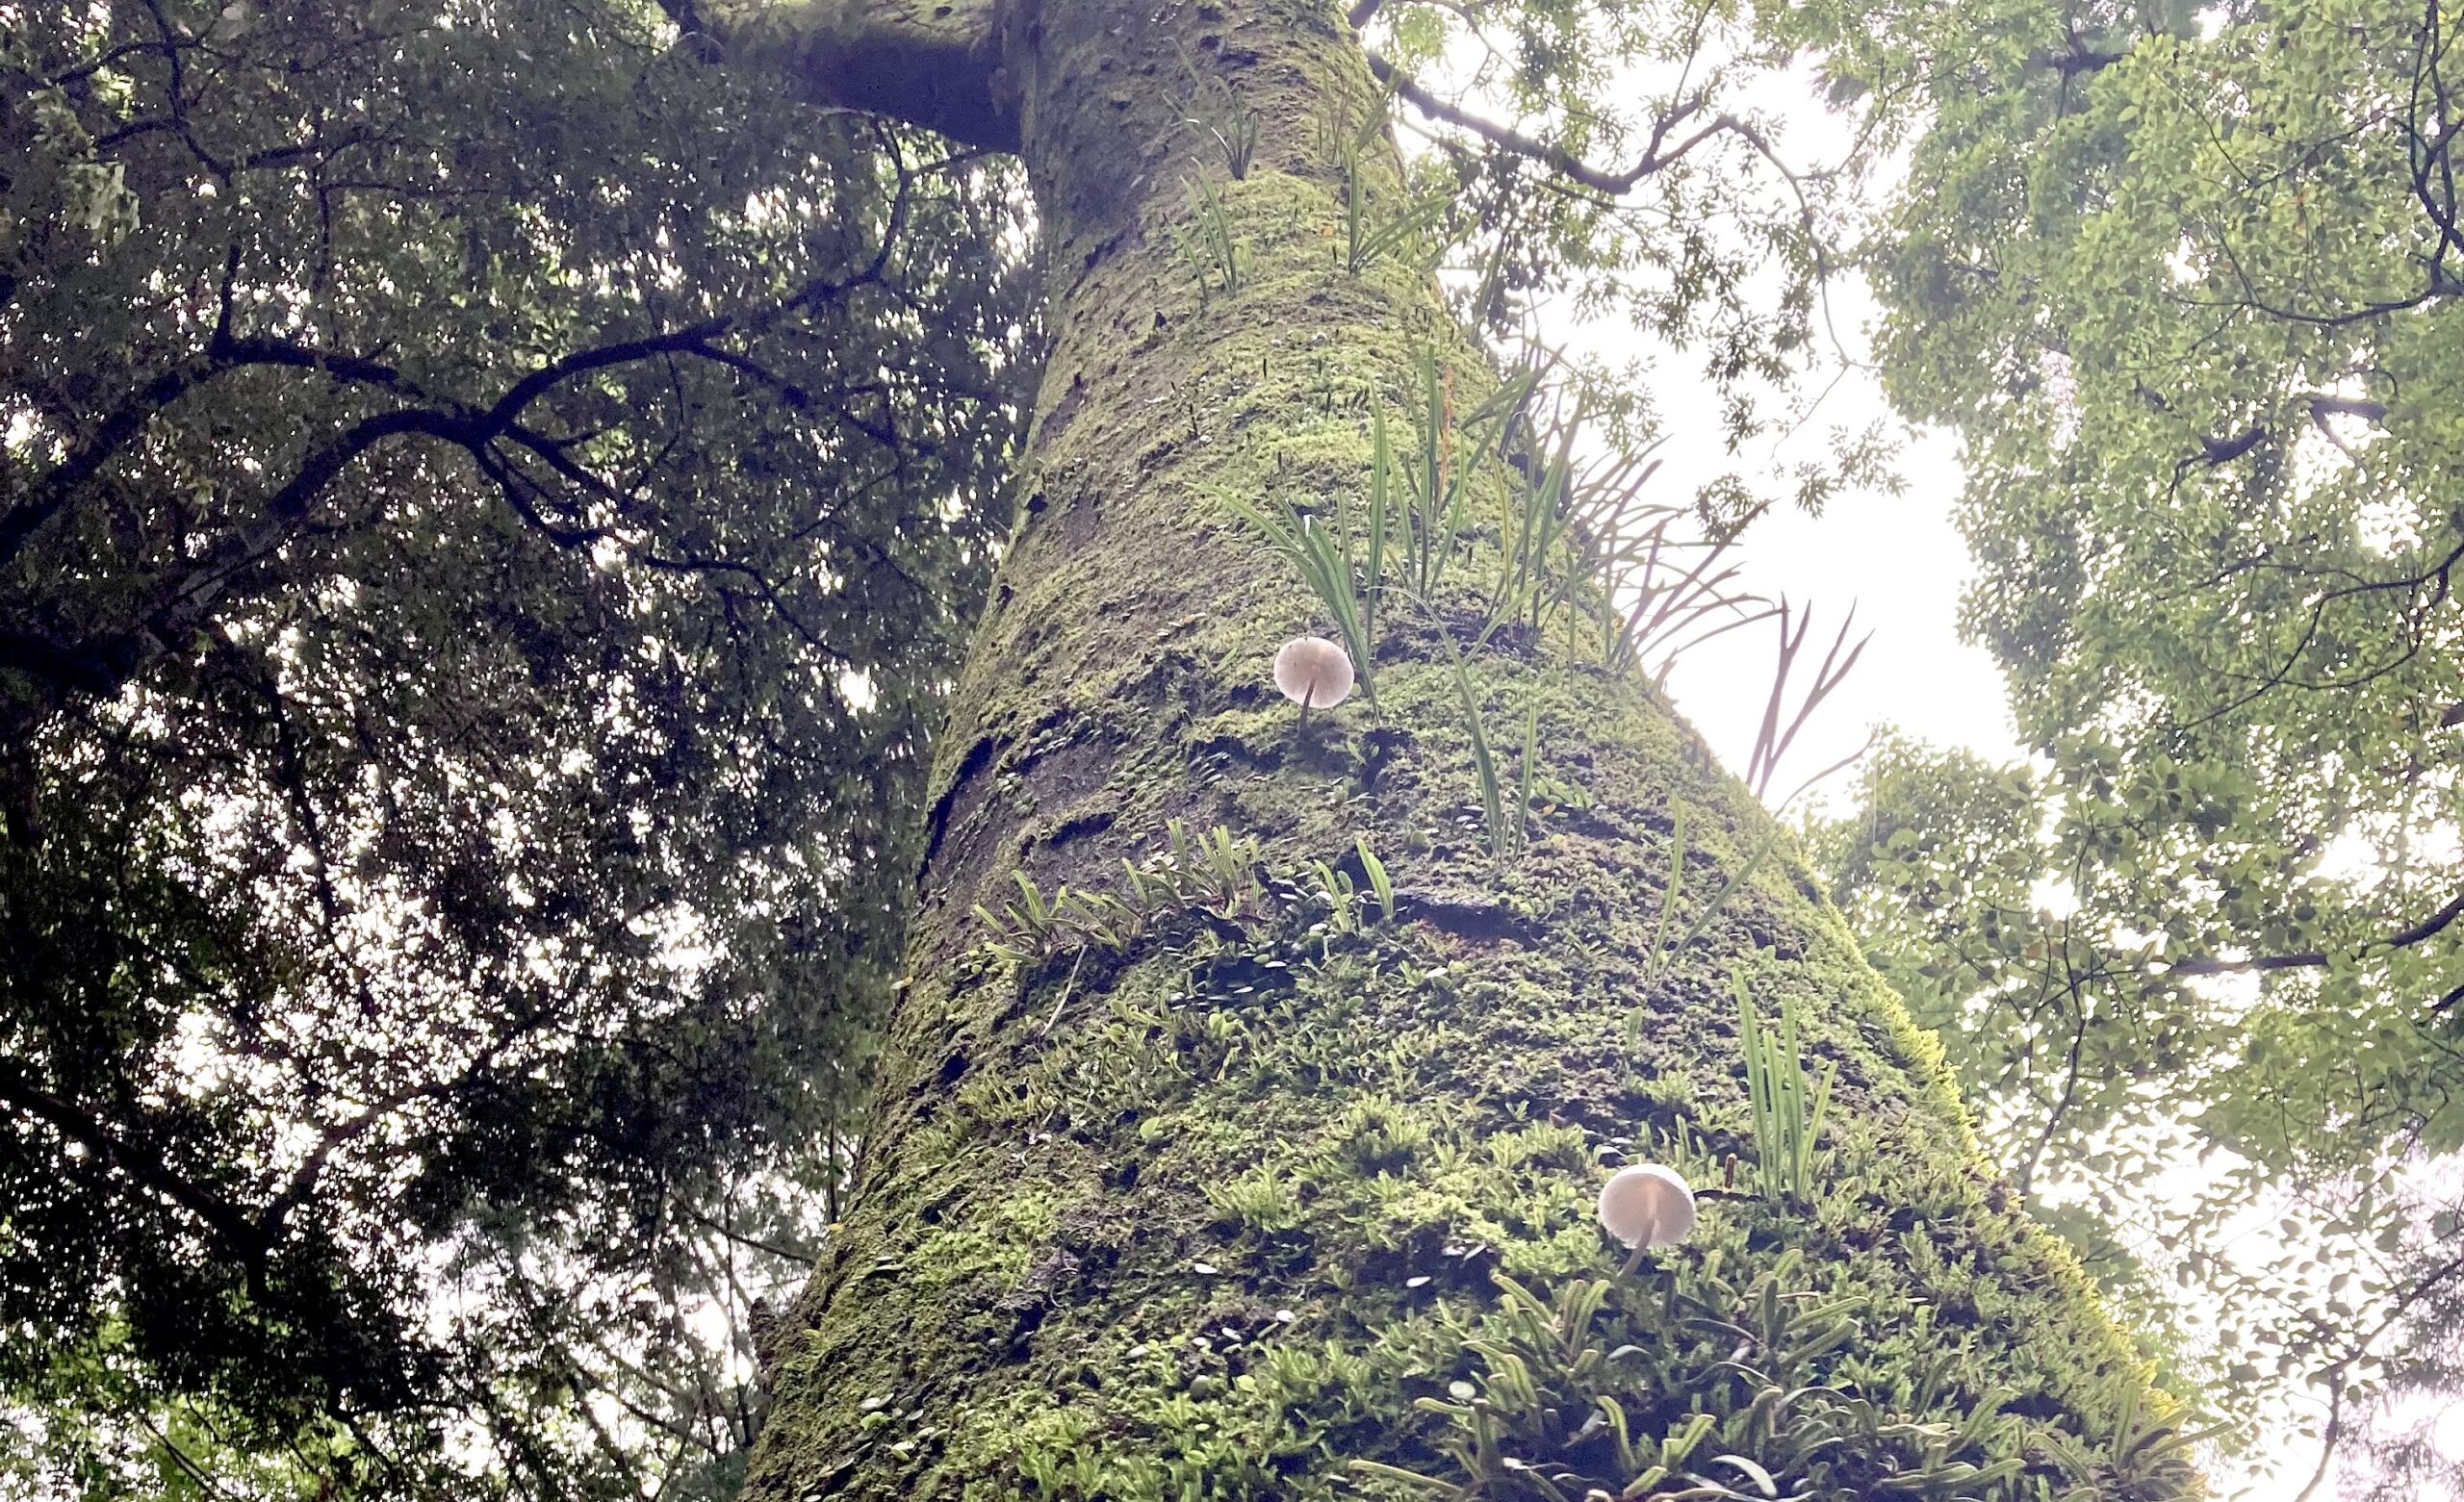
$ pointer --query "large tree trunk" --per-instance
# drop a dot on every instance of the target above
(1207, 1215)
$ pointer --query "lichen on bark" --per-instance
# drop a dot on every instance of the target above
(1213, 1216)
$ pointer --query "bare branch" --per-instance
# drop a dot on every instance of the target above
(1659, 154)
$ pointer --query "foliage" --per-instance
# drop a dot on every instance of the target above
(1626, 162)
(481, 525)
(1208, 242)
(1664, 950)
(1686, 1385)
(1772, 736)
(2183, 283)
(1572, 539)
(1212, 876)
(1789, 1104)
(1366, 238)
(1505, 834)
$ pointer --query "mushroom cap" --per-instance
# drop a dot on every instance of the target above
(1313, 671)
(1647, 1205)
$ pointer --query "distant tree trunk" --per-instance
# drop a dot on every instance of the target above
(1193, 1218)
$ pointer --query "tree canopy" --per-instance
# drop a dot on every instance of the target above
(2183, 282)
(489, 503)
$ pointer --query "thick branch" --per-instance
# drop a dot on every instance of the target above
(27, 1099)
(2427, 929)
(927, 63)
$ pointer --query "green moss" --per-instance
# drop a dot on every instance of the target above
(1362, 1144)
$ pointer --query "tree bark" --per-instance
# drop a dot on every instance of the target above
(1206, 1215)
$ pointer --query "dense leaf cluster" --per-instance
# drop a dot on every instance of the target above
(2184, 282)
(485, 505)
(1680, 1382)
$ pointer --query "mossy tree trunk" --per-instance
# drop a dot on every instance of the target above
(1207, 1212)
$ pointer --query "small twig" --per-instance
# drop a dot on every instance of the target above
(1069, 988)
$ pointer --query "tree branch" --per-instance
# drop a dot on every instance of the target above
(1659, 154)
(100, 663)
(224, 1218)
(927, 63)
(2427, 929)
(223, 354)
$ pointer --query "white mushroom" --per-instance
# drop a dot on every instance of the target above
(1647, 1206)
(1312, 673)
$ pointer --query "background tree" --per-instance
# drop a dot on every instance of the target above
(2184, 283)
(484, 507)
